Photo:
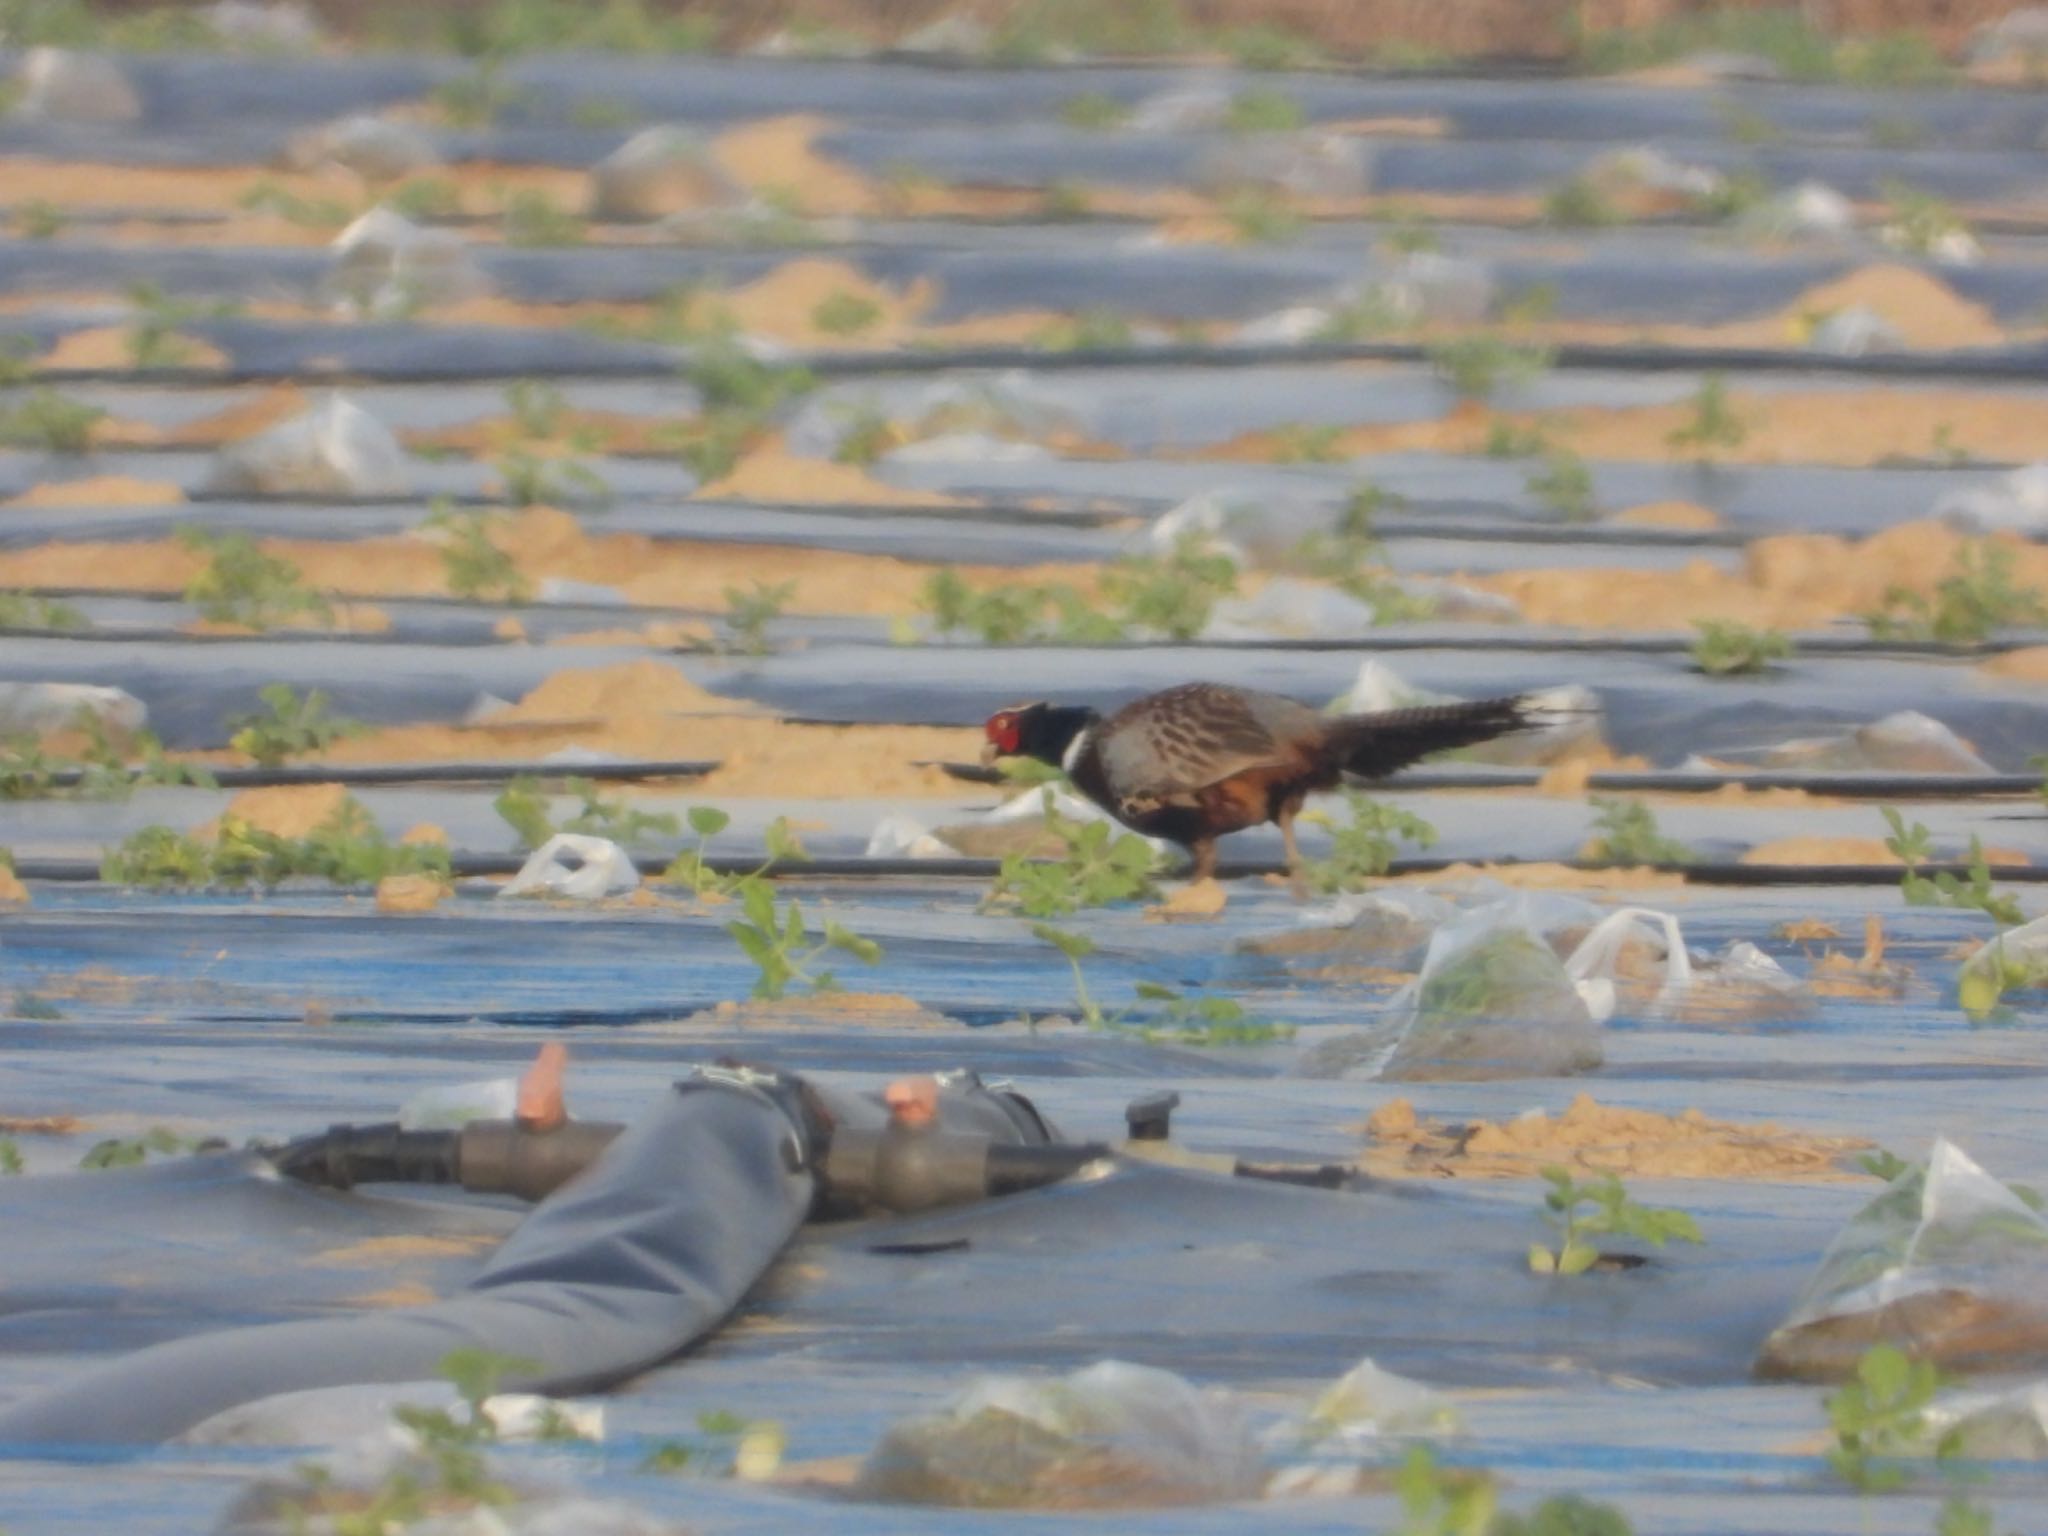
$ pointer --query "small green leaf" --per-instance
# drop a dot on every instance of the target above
(708, 821)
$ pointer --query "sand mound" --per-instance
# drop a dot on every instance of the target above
(1923, 309)
(778, 154)
(868, 1010)
(1596, 1138)
(106, 346)
(631, 688)
(2028, 665)
(1543, 876)
(292, 810)
(771, 475)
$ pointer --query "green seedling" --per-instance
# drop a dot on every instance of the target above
(731, 1446)
(783, 948)
(1981, 988)
(1506, 439)
(1912, 844)
(50, 421)
(1714, 425)
(1265, 46)
(689, 868)
(1564, 1514)
(868, 436)
(27, 1005)
(1408, 232)
(1076, 947)
(1065, 201)
(472, 564)
(730, 378)
(1476, 367)
(28, 772)
(528, 479)
(289, 726)
(1259, 216)
(39, 220)
(524, 807)
(1093, 111)
(1601, 1207)
(845, 314)
(20, 610)
(1977, 596)
(1299, 443)
(478, 99)
(424, 197)
(1263, 111)
(348, 849)
(1735, 196)
(1580, 203)
(1362, 848)
(132, 1152)
(1879, 1416)
(1884, 1165)
(532, 218)
(241, 584)
(1098, 866)
(750, 610)
(1442, 1501)
(268, 196)
(1920, 222)
(1564, 485)
(1627, 835)
(713, 443)
(154, 338)
(1728, 649)
(1092, 330)
(1205, 1021)
(1171, 595)
(539, 410)
(10, 1157)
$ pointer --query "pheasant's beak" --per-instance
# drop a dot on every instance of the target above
(989, 753)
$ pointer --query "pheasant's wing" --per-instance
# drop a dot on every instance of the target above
(1187, 738)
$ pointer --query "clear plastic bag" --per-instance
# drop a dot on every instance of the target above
(335, 449)
(456, 1104)
(1948, 1264)
(1635, 959)
(1110, 1436)
(2016, 960)
(1492, 1001)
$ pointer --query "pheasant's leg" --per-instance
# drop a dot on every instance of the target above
(1204, 851)
(1296, 881)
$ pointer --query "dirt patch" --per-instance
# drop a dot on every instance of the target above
(1846, 427)
(1596, 1138)
(779, 154)
(771, 475)
(2027, 665)
(373, 1251)
(1196, 901)
(1791, 581)
(12, 892)
(1669, 514)
(785, 305)
(649, 710)
(40, 1125)
(100, 491)
(106, 347)
(410, 893)
(1543, 876)
(1816, 849)
(288, 810)
(871, 1010)
(664, 634)
(631, 688)
(407, 1293)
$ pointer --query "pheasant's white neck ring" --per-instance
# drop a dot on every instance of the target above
(1074, 750)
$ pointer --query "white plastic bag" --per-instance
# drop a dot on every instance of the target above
(1113, 1435)
(454, 1105)
(335, 449)
(1949, 1264)
(902, 836)
(570, 864)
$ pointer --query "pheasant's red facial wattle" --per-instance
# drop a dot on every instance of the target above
(1004, 733)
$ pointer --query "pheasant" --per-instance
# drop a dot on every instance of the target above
(1195, 763)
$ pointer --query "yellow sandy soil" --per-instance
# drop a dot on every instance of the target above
(106, 346)
(287, 810)
(2027, 665)
(1596, 1138)
(1669, 514)
(872, 1010)
(12, 891)
(370, 1252)
(1818, 849)
(771, 475)
(647, 709)
(1538, 875)
(1793, 581)
(410, 893)
(100, 491)
(542, 542)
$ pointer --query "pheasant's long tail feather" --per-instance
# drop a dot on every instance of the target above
(1374, 745)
